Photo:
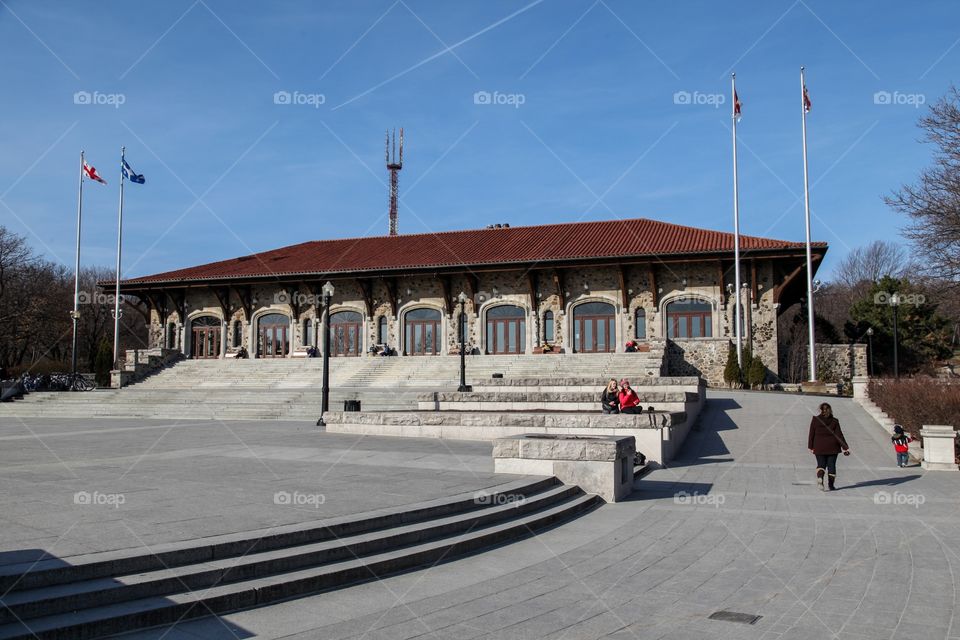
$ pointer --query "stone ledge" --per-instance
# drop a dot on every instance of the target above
(550, 396)
(599, 383)
(537, 446)
(487, 419)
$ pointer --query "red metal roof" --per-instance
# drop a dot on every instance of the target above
(633, 238)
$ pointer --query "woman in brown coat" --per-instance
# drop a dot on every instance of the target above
(826, 441)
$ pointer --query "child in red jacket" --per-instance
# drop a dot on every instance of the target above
(901, 442)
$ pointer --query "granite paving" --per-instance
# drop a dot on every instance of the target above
(735, 524)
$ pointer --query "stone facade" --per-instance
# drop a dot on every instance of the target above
(650, 288)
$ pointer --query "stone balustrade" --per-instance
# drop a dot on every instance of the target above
(657, 435)
(939, 447)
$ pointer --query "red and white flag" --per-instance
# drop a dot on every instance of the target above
(91, 173)
(736, 106)
(807, 105)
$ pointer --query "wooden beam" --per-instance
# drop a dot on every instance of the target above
(223, 297)
(622, 281)
(294, 300)
(652, 274)
(179, 299)
(445, 294)
(778, 290)
(723, 290)
(473, 287)
(532, 286)
(560, 288)
(245, 295)
(391, 286)
(367, 292)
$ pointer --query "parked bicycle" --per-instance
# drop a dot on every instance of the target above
(56, 382)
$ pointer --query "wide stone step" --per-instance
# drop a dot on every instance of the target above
(267, 569)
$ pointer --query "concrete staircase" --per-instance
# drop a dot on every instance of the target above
(289, 389)
(110, 593)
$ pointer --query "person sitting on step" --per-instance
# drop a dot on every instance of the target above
(610, 398)
(629, 401)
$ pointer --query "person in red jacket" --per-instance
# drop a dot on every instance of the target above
(826, 441)
(901, 445)
(629, 402)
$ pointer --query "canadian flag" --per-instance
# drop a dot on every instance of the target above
(91, 173)
(807, 105)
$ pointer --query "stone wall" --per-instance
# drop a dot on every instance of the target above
(706, 358)
(651, 288)
(841, 362)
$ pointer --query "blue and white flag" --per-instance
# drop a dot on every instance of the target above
(131, 175)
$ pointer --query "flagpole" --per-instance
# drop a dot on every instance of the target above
(76, 273)
(116, 293)
(806, 205)
(738, 322)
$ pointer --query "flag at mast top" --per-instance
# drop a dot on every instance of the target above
(736, 98)
(91, 173)
(807, 105)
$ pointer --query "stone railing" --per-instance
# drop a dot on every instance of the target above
(140, 363)
(658, 435)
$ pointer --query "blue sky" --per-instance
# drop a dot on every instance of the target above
(590, 119)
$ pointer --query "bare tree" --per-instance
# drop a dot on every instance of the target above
(933, 203)
(869, 263)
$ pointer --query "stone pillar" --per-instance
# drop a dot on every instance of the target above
(225, 326)
(938, 447)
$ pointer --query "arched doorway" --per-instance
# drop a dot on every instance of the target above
(274, 335)
(345, 336)
(594, 328)
(422, 331)
(689, 319)
(205, 334)
(506, 329)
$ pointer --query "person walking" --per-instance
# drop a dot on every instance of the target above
(609, 399)
(629, 401)
(901, 445)
(826, 441)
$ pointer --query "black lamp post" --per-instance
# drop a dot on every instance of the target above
(325, 397)
(462, 298)
(870, 347)
(895, 304)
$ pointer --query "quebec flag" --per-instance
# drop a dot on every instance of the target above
(131, 175)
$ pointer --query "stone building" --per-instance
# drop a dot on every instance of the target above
(579, 287)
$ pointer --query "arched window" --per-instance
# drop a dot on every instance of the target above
(689, 319)
(548, 330)
(382, 330)
(237, 333)
(345, 333)
(640, 324)
(307, 332)
(422, 332)
(274, 335)
(506, 329)
(171, 335)
(594, 328)
(205, 337)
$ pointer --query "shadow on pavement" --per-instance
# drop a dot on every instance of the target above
(882, 482)
(658, 489)
(704, 442)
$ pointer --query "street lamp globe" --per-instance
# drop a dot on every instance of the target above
(328, 289)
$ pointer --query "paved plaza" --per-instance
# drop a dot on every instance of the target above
(69, 487)
(736, 524)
